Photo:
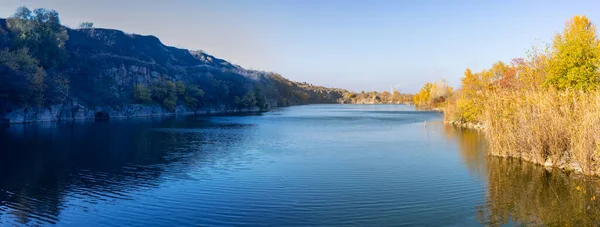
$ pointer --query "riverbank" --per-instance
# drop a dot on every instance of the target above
(565, 163)
(543, 109)
(467, 125)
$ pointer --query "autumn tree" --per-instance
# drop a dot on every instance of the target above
(422, 98)
(397, 97)
(440, 91)
(385, 96)
(471, 97)
(532, 71)
(433, 94)
(575, 59)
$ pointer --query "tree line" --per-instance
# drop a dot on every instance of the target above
(375, 97)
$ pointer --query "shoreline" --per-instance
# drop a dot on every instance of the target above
(63, 113)
(76, 112)
(564, 164)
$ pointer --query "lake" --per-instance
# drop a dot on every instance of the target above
(315, 165)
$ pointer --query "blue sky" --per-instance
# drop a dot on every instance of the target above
(358, 45)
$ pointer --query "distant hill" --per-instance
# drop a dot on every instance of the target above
(44, 65)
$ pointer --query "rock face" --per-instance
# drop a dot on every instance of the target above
(76, 111)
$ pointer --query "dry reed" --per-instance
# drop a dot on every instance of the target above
(557, 128)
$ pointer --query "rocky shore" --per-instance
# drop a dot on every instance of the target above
(469, 125)
(75, 111)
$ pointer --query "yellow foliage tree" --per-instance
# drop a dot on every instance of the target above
(433, 94)
(575, 59)
(469, 103)
(422, 98)
(532, 71)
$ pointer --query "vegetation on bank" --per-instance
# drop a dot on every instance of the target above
(31, 58)
(43, 63)
(375, 97)
(544, 108)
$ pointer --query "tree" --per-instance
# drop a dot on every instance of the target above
(422, 98)
(249, 100)
(575, 59)
(261, 101)
(23, 13)
(385, 96)
(164, 92)
(86, 25)
(22, 81)
(471, 100)
(41, 33)
(141, 94)
(440, 91)
(396, 96)
(57, 87)
(192, 96)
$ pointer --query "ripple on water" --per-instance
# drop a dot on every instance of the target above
(301, 166)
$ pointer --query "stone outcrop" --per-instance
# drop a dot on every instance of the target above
(75, 111)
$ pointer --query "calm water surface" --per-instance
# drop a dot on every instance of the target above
(324, 165)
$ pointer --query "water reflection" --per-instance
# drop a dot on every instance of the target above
(523, 193)
(470, 143)
(42, 164)
(301, 166)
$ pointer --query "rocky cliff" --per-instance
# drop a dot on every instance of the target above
(104, 69)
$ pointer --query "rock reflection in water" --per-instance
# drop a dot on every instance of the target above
(42, 164)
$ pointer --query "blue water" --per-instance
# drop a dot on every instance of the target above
(323, 165)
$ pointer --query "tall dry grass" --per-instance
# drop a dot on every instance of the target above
(561, 128)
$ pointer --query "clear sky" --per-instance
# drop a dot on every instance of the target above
(358, 45)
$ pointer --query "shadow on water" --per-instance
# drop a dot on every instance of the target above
(526, 194)
(41, 164)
